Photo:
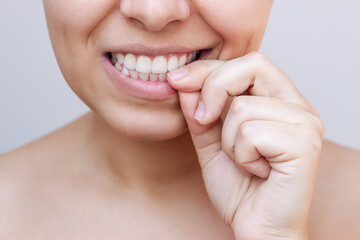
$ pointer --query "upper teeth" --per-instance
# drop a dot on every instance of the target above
(150, 64)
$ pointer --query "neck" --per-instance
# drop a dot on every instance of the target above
(141, 164)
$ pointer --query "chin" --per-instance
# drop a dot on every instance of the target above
(142, 133)
(145, 124)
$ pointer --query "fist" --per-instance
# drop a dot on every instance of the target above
(259, 161)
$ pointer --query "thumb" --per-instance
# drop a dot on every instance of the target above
(206, 138)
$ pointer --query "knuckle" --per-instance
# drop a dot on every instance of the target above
(246, 130)
(201, 64)
(227, 145)
(313, 141)
(206, 65)
(241, 104)
(318, 125)
(258, 62)
(214, 81)
(257, 57)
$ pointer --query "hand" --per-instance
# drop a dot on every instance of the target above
(259, 163)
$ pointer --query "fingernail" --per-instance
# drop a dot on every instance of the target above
(199, 114)
(178, 74)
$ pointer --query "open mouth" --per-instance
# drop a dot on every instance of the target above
(152, 68)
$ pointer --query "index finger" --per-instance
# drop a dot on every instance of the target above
(191, 77)
(252, 72)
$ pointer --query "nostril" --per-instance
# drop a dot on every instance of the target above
(137, 22)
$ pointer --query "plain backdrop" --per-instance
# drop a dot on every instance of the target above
(317, 43)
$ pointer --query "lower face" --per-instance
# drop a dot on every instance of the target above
(115, 54)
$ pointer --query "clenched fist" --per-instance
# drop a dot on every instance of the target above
(259, 163)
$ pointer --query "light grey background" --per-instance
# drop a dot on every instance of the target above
(315, 42)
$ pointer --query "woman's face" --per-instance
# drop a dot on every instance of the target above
(162, 33)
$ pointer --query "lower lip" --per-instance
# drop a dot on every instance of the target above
(137, 88)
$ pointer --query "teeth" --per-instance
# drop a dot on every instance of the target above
(188, 59)
(113, 60)
(193, 56)
(118, 66)
(182, 60)
(125, 72)
(153, 77)
(147, 69)
(120, 58)
(173, 63)
(134, 74)
(159, 65)
(143, 64)
(144, 76)
(130, 61)
(162, 77)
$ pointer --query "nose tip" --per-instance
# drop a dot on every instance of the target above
(154, 15)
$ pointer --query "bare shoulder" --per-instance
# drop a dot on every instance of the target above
(21, 172)
(335, 210)
(26, 173)
(38, 158)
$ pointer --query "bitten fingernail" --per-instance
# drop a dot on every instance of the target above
(178, 74)
(199, 114)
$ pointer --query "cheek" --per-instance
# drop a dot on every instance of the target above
(71, 22)
(240, 23)
(80, 14)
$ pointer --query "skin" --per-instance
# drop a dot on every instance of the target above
(117, 173)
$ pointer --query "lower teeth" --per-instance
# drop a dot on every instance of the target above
(152, 77)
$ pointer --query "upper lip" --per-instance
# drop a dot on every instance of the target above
(140, 49)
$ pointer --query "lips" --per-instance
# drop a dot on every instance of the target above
(144, 76)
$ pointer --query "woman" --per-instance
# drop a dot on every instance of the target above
(224, 147)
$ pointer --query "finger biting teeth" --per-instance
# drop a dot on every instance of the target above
(150, 68)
